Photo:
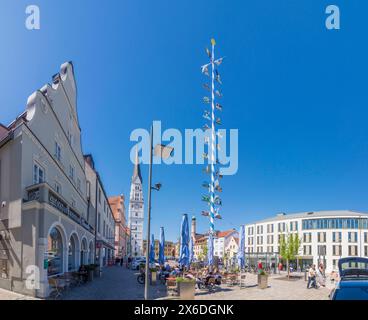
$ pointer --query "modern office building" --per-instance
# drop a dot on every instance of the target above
(326, 236)
(46, 226)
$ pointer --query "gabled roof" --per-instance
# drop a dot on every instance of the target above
(3, 131)
(224, 234)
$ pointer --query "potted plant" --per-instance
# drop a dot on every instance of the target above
(90, 271)
(186, 288)
(96, 270)
(153, 273)
(262, 280)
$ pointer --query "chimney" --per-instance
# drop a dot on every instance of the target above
(194, 231)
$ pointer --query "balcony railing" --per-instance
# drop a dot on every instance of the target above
(44, 194)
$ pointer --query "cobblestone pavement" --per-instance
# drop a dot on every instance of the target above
(278, 289)
(9, 295)
(116, 283)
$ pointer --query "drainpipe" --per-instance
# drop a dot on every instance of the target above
(96, 214)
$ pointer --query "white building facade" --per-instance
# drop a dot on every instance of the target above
(221, 242)
(136, 212)
(105, 222)
(326, 236)
(45, 224)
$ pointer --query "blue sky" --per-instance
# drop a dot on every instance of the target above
(296, 91)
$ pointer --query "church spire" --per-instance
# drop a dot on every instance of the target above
(137, 169)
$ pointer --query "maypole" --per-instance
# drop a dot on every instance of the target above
(213, 200)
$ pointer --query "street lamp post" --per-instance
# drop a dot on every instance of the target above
(165, 152)
(149, 216)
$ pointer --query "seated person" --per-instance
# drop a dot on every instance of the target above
(175, 272)
(83, 272)
(217, 276)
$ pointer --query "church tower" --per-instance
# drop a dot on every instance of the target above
(136, 211)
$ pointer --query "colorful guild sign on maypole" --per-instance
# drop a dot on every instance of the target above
(212, 101)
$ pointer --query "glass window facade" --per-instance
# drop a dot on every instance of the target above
(335, 223)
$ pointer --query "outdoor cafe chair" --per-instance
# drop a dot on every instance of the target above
(57, 287)
(211, 285)
(241, 279)
(77, 278)
(171, 286)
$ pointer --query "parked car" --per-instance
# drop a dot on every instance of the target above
(353, 284)
(137, 262)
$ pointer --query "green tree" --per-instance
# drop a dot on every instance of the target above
(289, 248)
(205, 250)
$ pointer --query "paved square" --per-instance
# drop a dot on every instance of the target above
(277, 290)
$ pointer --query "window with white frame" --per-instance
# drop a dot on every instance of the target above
(307, 237)
(336, 236)
(353, 251)
(38, 174)
(281, 226)
(307, 250)
(57, 151)
(353, 236)
(259, 240)
(270, 228)
(293, 225)
(337, 250)
(57, 187)
(270, 239)
(321, 236)
(259, 229)
(71, 172)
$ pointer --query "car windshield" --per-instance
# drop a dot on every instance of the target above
(356, 293)
(354, 269)
(354, 265)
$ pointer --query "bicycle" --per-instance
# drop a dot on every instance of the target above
(141, 278)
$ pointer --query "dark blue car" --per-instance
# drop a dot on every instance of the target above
(353, 284)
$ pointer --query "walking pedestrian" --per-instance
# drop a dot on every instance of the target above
(260, 266)
(129, 261)
(312, 275)
(309, 278)
(321, 275)
(121, 261)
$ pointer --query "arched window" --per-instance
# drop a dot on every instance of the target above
(54, 253)
(90, 253)
(84, 252)
(72, 253)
